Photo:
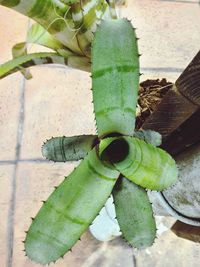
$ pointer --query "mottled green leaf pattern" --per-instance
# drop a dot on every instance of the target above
(34, 59)
(30, 60)
(62, 149)
(142, 163)
(115, 77)
(70, 210)
(134, 214)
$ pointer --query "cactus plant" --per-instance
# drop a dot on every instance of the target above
(114, 161)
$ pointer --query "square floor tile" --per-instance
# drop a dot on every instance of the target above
(168, 31)
(57, 102)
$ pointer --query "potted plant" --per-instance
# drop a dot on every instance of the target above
(116, 145)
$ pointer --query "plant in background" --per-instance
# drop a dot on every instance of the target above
(65, 26)
(116, 161)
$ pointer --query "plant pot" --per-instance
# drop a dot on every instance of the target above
(177, 118)
(182, 200)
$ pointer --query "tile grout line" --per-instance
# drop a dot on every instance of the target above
(11, 213)
(147, 69)
(10, 228)
(33, 160)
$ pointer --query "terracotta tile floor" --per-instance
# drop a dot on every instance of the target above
(57, 101)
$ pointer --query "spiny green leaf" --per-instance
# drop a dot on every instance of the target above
(69, 210)
(115, 77)
(134, 213)
(61, 149)
(148, 166)
(142, 163)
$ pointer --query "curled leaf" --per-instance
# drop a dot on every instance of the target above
(142, 163)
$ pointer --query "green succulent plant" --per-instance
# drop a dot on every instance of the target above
(116, 161)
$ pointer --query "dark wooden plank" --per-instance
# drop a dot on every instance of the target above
(172, 111)
(186, 231)
(184, 136)
(189, 81)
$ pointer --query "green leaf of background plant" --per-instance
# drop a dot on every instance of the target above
(60, 19)
(34, 59)
(38, 35)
